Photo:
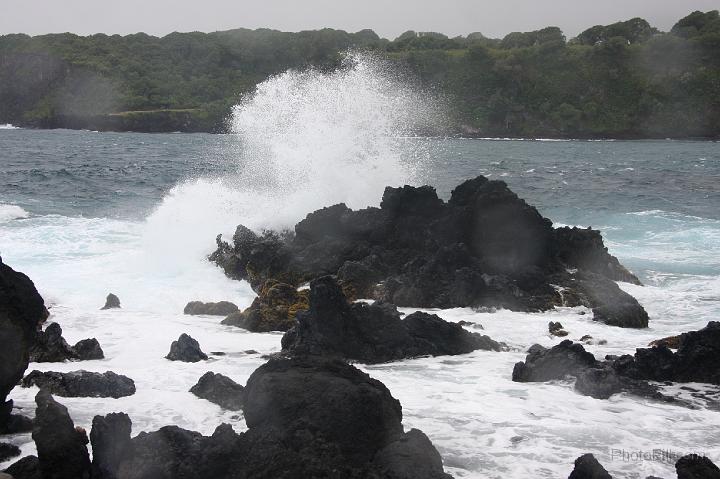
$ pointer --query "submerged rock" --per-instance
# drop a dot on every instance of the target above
(373, 333)
(223, 308)
(81, 383)
(273, 310)
(62, 451)
(22, 310)
(220, 390)
(587, 467)
(186, 349)
(111, 302)
(51, 347)
(485, 247)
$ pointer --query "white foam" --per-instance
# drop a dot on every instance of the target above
(8, 126)
(11, 212)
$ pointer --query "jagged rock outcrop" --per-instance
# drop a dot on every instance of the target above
(273, 309)
(22, 310)
(51, 347)
(694, 466)
(307, 417)
(111, 444)
(222, 308)
(186, 349)
(587, 467)
(484, 247)
(62, 448)
(220, 390)
(373, 333)
(81, 383)
(111, 302)
(696, 360)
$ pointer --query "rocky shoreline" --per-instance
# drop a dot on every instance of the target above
(310, 413)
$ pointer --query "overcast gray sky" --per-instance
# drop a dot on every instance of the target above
(388, 18)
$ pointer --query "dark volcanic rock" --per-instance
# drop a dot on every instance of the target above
(186, 349)
(307, 417)
(556, 329)
(697, 359)
(111, 444)
(373, 333)
(223, 308)
(111, 302)
(542, 364)
(273, 310)
(61, 447)
(693, 466)
(81, 383)
(22, 310)
(26, 468)
(220, 390)
(484, 247)
(51, 347)
(7, 451)
(587, 467)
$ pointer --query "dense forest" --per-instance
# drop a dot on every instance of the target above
(625, 80)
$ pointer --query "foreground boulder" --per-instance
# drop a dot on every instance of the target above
(111, 302)
(307, 417)
(273, 309)
(220, 390)
(587, 467)
(373, 333)
(694, 466)
(62, 450)
(223, 308)
(81, 383)
(51, 347)
(26, 468)
(484, 247)
(186, 349)
(22, 310)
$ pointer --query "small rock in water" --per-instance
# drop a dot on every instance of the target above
(81, 383)
(220, 390)
(111, 302)
(556, 329)
(587, 467)
(51, 347)
(186, 349)
(7, 451)
(223, 308)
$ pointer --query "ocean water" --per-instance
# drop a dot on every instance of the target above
(86, 213)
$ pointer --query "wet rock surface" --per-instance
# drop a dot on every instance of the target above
(62, 449)
(22, 310)
(220, 390)
(484, 247)
(222, 308)
(81, 383)
(111, 302)
(186, 349)
(307, 417)
(274, 308)
(51, 347)
(373, 333)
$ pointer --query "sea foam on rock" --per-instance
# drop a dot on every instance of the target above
(22, 310)
(484, 247)
(373, 333)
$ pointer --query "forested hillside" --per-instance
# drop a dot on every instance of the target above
(625, 80)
